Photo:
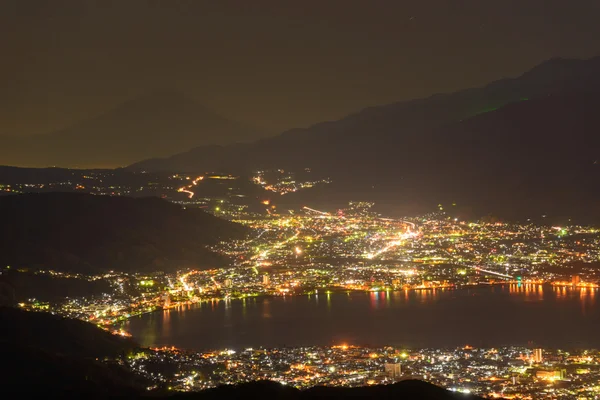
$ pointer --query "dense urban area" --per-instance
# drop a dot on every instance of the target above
(306, 251)
(300, 199)
(509, 372)
(314, 251)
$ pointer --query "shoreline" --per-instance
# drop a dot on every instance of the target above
(330, 291)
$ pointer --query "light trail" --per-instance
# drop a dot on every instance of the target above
(317, 211)
(489, 272)
(386, 248)
(182, 279)
(391, 245)
(263, 254)
(185, 189)
(399, 220)
(217, 285)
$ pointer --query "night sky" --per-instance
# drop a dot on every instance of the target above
(271, 64)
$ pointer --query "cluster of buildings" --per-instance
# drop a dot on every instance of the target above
(509, 372)
(98, 182)
(306, 251)
(311, 251)
(283, 182)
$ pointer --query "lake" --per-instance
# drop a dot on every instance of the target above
(539, 315)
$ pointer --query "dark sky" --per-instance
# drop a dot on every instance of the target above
(272, 64)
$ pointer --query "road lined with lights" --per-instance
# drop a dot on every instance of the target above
(186, 189)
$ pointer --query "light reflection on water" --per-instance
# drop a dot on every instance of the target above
(494, 316)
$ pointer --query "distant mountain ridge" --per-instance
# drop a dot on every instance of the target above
(407, 118)
(474, 147)
(158, 124)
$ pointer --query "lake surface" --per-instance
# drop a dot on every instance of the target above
(481, 316)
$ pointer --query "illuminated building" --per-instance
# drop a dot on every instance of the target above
(353, 366)
(575, 280)
(553, 375)
(266, 279)
(538, 356)
(393, 370)
(166, 298)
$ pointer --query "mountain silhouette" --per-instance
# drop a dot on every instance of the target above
(404, 390)
(513, 145)
(87, 233)
(50, 356)
(158, 124)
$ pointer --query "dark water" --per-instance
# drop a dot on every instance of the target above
(487, 316)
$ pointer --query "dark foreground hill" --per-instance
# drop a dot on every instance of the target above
(404, 390)
(522, 147)
(57, 335)
(46, 356)
(80, 232)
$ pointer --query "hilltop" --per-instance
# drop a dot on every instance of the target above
(47, 355)
(86, 233)
(154, 125)
(408, 389)
(57, 335)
